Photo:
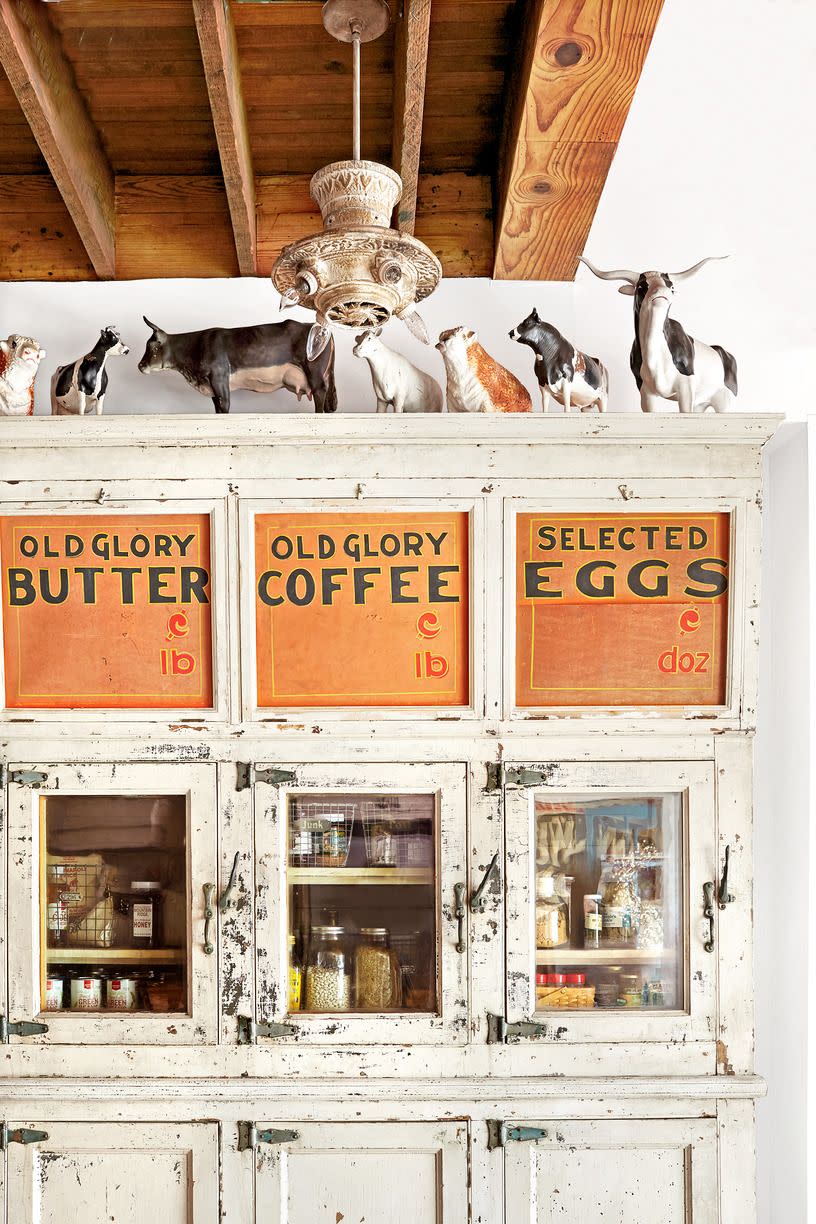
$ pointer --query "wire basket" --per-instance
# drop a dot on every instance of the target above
(80, 906)
(398, 833)
(320, 833)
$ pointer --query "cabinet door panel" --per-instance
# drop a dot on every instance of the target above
(391, 1173)
(131, 1173)
(618, 1172)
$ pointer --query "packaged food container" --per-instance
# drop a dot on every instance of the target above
(606, 994)
(552, 921)
(141, 908)
(86, 993)
(631, 989)
(121, 994)
(328, 970)
(52, 995)
(377, 977)
(592, 920)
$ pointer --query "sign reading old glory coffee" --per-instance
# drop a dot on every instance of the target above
(362, 609)
(622, 610)
(104, 612)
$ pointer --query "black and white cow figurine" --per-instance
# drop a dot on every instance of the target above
(572, 378)
(668, 364)
(79, 389)
(264, 357)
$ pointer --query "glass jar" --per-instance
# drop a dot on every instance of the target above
(295, 977)
(619, 903)
(552, 921)
(631, 989)
(377, 976)
(592, 920)
(142, 909)
(328, 977)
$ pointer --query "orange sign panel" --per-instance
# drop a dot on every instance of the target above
(362, 609)
(621, 610)
(107, 611)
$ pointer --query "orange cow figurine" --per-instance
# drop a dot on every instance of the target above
(477, 383)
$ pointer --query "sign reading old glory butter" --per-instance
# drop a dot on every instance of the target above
(103, 612)
(362, 609)
(622, 610)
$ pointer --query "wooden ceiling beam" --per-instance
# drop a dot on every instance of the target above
(216, 35)
(572, 82)
(410, 70)
(43, 80)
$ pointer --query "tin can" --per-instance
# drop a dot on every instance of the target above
(86, 994)
(121, 994)
(52, 997)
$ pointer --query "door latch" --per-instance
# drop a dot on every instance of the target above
(459, 913)
(499, 775)
(19, 1135)
(209, 914)
(477, 900)
(20, 1028)
(225, 902)
(500, 1133)
(499, 1030)
(708, 914)
(249, 1136)
(250, 1030)
(724, 897)
(35, 778)
(249, 773)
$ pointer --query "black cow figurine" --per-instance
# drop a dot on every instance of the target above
(564, 373)
(78, 389)
(263, 358)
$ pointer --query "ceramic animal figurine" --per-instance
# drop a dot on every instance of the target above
(477, 383)
(79, 389)
(668, 364)
(572, 378)
(398, 385)
(262, 358)
(20, 358)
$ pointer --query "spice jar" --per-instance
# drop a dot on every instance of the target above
(377, 977)
(295, 977)
(592, 920)
(619, 903)
(328, 981)
(552, 925)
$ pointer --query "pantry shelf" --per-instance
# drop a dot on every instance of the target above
(118, 956)
(361, 875)
(602, 956)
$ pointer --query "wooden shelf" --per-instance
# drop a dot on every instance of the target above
(361, 875)
(118, 956)
(602, 956)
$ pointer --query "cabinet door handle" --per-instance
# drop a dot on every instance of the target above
(459, 913)
(477, 901)
(724, 897)
(708, 912)
(209, 914)
(225, 902)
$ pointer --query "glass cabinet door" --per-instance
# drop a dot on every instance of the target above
(357, 933)
(107, 902)
(606, 895)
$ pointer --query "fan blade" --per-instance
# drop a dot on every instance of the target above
(319, 336)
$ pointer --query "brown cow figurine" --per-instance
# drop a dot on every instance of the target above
(20, 358)
(477, 383)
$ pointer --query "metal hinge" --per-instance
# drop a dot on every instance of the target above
(249, 1136)
(23, 777)
(19, 1135)
(20, 1028)
(498, 1029)
(248, 774)
(250, 1030)
(500, 1133)
(500, 775)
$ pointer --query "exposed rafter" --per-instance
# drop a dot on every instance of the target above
(216, 35)
(573, 81)
(410, 69)
(44, 83)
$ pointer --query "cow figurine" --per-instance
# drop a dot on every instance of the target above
(668, 364)
(79, 389)
(565, 374)
(477, 383)
(262, 358)
(20, 358)
(398, 385)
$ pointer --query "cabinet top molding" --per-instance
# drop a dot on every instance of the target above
(183, 430)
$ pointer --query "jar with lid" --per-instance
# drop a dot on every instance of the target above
(142, 909)
(619, 903)
(631, 989)
(328, 970)
(552, 922)
(377, 976)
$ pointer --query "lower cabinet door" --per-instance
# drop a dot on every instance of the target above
(618, 1172)
(379, 1172)
(130, 1173)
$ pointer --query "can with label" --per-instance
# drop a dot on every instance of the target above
(52, 995)
(86, 994)
(121, 994)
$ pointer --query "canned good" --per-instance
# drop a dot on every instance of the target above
(52, 996)
(121, 994)
(86, 994)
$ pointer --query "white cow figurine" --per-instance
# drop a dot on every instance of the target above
(477, 382)
(79, 389)
(398, 385)
(668, 363)
(20, 358)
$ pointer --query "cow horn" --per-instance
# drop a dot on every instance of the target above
(621, 274)
(680, 276)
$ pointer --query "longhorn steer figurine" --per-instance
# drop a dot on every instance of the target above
(265, 357)
(667, 363)
(398, 384)
(79, 389)
(565, 374)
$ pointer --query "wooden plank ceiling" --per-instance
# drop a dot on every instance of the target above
(178, 137)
